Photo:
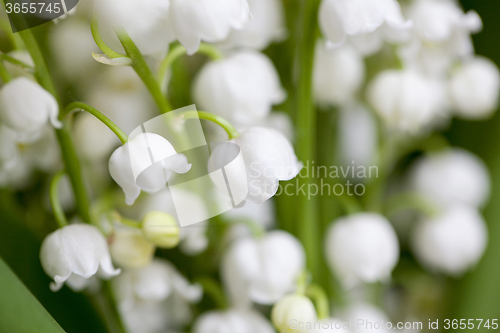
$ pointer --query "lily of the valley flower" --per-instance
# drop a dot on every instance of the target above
(194, 21)
(338, 74)
(234, 321)
(267, 25)
(368, 313)
(360, 18)
(26, 107)
(453, 242)
(155, 298)
(290, 309)
(77, 249)
(268, 157)
(362, 248)
(154, 170)
(454, 176)
(262, 270)
(406, 100)
(474, 88)
(241, 88)
(130, 249)
(161, 229)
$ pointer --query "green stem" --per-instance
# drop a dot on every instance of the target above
(94, 27)
(302, 281)
(320, 299)
(143, 70)
(72, 164)
(105, 120)
(16, 40)
(4, 74)
(15, 61)
(54, 200)
(214, 290)
(113, 307)
(307, 219)
(128, 222)
(414, 201)
(226, 125)
(178, 51)
(350, 204)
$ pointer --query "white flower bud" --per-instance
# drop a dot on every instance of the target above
(241, 88)
(161, 229)
(78, 249)
(362, 248)
(338, 74)
(134, 155)
(262, 270)
(474, 88)
(129, 248)
(361, 313)
(454, 176)
(339, 19)
(293, 308)
(234, 321)
(267, 25)
(26, 107)
(268, 156)
(451, 243)
(196, 20)
(406, 100)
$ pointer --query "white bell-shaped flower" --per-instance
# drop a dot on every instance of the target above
(292, 310)
(359, 18)
(359, 314)
(338, 74)
(26, 107)
(194, 21)
(262, 270)
(451, 243)
(130, 249)
(232, 321)
(268, 158)
(147, 22)
(77, 249)
(406, 100)
(362, 248)
(474, 88)
(155, 169)
(267, 25)
(156, 297)
(454, 176)
(241, 88)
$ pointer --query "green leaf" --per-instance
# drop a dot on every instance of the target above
(20, 311)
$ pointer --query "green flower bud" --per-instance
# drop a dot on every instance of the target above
(161, 229)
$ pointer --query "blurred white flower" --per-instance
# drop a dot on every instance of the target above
(194, 21)
(368, 19)
(406, 100)
(362, 248)
(260, 213)
(268, 156)
(357, 136)
(77, 249)
(361, 313)
(95, 141)
(232, 321)
(474, 88)
(26, 107)
(291, 308)
(134, 156)
(454, 176)
(338, 74)
(193, 238)
(130, 249)
(155, 298)
(15, 70)
(241, 88)
(262, 270)
(147, 22)
(332, 325)
(267, 25)
(451, 243)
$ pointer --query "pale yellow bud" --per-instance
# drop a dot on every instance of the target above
(292, 310)
(161, 229)
(130, 249)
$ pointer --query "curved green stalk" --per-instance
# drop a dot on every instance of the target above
(15, 61)
(226, 125)
(94, 27)
(71, 161)
(178, 51)
(54, 200)
(415, 201)
(214, 290)
(105, 120)
(320, 299)
(4, 74)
